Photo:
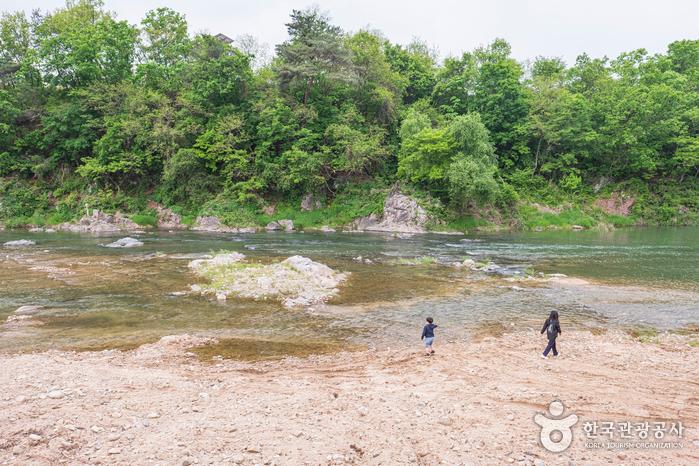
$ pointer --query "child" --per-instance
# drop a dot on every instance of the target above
(428, 335)
(552, 329)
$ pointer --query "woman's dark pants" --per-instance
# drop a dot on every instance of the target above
(551, 346)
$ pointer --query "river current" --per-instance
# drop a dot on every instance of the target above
(100, 298)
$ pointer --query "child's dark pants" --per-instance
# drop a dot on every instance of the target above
(551, 346)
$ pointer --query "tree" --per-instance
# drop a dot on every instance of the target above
(314, 55)
(81, 44)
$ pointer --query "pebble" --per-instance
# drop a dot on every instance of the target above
(153, 415)
(114, 451)
(96, 429)
(17, 450)
(35, 437)
(56, 394)
(113, 437)
(511, 417)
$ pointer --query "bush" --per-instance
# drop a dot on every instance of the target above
(145, 220)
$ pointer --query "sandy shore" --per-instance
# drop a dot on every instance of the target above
(472, 403)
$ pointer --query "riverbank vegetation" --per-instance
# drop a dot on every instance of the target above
(99, 113)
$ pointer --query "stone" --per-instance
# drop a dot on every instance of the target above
(35, 437)
(309, 202)
(327, 229)
(278, 225)
(167, 219)
(100, 222)
(401, 214)
(20, 243)
(577, 227)
(114, 451)
(153, 415)
(296, 281)
(288, 225)
(273, 226)
(56, 394)
(217, 260)
(28, 310)
(127, 242)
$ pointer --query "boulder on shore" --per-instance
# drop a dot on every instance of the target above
(296, 281)
(213, 224)
(100, 222)
(401, 214)
(309, 202)
(125, 243)
(20, 243)
(278, 225)
(167, 219)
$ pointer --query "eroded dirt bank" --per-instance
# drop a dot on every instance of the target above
(472, 403)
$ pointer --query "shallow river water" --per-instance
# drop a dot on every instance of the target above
(98, 298)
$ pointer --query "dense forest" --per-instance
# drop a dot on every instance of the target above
(99, 113)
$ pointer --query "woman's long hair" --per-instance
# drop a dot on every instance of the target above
(553, 315)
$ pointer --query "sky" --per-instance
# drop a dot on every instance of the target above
(551, 28)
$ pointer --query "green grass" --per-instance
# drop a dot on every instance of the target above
(694, 344)
(532, 218)
(354, 201)
(644, 334)
(145, 220)
(462, 223)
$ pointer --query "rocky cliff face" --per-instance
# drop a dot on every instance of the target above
(100, 222)
(401, 214)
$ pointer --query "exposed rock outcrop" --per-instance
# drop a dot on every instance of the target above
(20, 243)
(28, 310)
(401, 214)
(213, 224)
(616, 204)
(125, 243)
(309, 202)
(279, 225)
(167, 219)
(100, 222)
(296, 281)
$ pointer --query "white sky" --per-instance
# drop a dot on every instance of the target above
(560, 28)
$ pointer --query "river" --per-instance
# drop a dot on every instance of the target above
(99, 298)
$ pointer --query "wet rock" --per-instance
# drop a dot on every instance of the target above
(327, 229)
(213, 224)
(309, 202)
(20, 243)
(218, 260)
(100, 222)
(296, 281)
(127, 242)
(577, 227)
(28, 310)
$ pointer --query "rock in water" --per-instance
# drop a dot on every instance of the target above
(20, 243)
(296, 281)
(125, 243)
(28, 310)
(218, 260)
(100, 222)
(211, 223)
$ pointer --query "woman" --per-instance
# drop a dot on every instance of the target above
(552, 328)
